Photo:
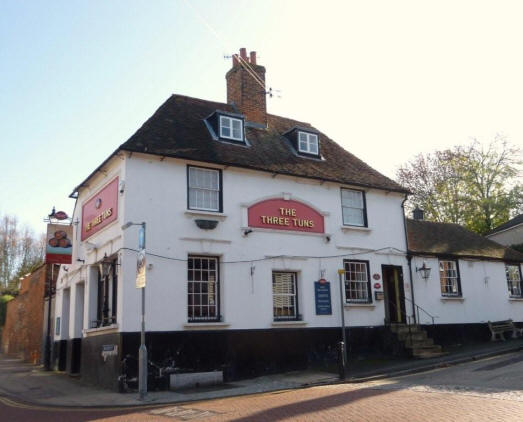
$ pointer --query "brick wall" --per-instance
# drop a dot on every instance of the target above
(22, 333)
(244, 91)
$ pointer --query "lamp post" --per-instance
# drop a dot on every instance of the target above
(142, 351)
(343, 343)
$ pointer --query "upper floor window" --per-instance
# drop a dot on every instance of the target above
(513, 273)
(353, 207)
(231, 128)
(204, 189)
(308, 143)
(449, 278)
(357, 286)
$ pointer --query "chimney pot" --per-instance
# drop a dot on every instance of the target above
(417, 214)
(245, 90)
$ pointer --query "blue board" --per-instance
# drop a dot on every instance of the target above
(322, 296)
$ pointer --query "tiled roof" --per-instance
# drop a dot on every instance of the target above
(177, 129)
(426, 237)
(510, 223)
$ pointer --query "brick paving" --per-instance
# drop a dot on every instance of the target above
(347, 402)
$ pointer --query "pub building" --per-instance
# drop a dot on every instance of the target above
(249, 216)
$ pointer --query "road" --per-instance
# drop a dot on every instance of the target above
(486, 390)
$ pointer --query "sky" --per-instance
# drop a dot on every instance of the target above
(385, 79)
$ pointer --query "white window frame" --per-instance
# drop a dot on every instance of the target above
(310, 140)
(285, 301)
(203, 190)
(514, 283)
(230, 124)
(447, 279)
(363, 208)
(357, 283)
(209, 288)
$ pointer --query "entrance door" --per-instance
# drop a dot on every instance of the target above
(394, 294)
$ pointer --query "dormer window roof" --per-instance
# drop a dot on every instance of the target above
(306, 141)
(231, 128)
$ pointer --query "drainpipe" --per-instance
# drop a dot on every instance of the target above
(409, 260)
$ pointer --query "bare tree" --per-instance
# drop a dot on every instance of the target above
(20, 250)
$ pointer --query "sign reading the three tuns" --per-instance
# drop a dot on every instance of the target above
(281, 214)
(101, 210)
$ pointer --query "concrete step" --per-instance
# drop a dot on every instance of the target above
(419, 344)
(404, 328)
(428, 351)
(414, 335)
(428, 354)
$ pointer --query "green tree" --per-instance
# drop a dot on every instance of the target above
(473, 185)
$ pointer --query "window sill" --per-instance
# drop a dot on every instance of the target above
(91, 332)
(197, 213)
(205, 325)
(359, 305)
(515, 299)
(288, 323)
(452, 298)
(356, 228)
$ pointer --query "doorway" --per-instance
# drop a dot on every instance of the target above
(394, 294)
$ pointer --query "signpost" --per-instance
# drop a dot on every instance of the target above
(343, 343)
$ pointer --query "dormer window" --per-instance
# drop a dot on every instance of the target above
(231, 128)
(305, 141)
(308, 143)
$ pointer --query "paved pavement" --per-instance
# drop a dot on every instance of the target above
(487, 390)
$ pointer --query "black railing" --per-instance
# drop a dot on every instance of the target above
(282, 318)
(419, 308)
(218, 318)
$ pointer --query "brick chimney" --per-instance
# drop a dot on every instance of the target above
(247, 94)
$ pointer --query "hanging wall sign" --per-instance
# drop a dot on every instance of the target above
(101, 210)
(322, 296)
(59, 245)
(288, 215)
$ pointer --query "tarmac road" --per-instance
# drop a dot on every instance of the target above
(485, 390)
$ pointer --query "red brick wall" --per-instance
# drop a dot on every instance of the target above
(22, 333)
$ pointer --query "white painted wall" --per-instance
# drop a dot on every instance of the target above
(156, 192)
(485, 294)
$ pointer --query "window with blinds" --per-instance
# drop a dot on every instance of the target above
(353, 208)
(204, 190)
(284, 297)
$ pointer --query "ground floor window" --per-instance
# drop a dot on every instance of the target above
(357, 286)
(284, 296)
(513, 273)
(107, 293)
(449, 278)
(203, 289)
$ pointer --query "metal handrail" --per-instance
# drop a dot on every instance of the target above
(433, 317)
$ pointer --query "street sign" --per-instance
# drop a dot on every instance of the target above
(141, 237)
(140, 269)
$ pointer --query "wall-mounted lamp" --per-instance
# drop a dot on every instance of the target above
(327, 238)
(424, 270)
(246, 232)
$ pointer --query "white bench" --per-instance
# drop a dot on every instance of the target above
(497, 328)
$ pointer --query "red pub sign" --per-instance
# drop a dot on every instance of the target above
(284, 214)
(101, 210)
